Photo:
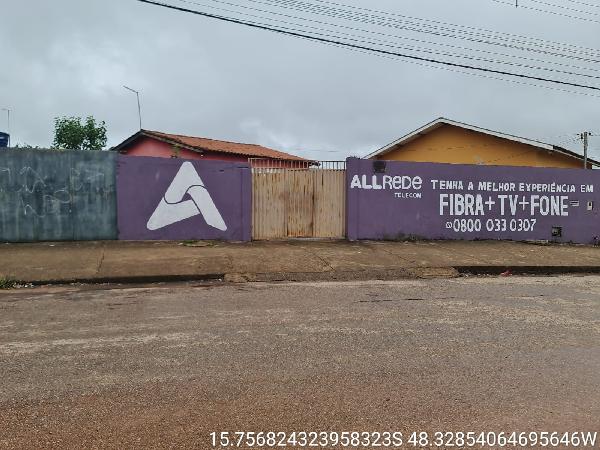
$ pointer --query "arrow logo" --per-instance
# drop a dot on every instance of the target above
(173, 208)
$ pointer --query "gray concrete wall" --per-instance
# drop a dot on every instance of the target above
(48, 195)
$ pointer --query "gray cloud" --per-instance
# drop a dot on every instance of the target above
(205, 78)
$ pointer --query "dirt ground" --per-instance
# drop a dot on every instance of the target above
(162, 366)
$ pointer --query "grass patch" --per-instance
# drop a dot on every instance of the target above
(6, 283)
(196, 243)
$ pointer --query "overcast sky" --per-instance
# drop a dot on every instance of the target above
(212, 79)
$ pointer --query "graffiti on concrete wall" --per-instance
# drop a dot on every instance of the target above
(394, 200)
(174, 199)
(57, 195)
(31, 185)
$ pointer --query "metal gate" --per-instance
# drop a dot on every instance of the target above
(298, 199)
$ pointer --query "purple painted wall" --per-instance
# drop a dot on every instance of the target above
(175, 199)
(452, 201)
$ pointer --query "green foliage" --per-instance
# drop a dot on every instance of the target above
(7, 284)
(71, 134)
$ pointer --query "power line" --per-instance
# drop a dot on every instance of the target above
(361, 47)
(583, 3)
(382, 42)
(442, 44)
(463, 72)
(568, 8)
(546, 11)
(481, 31)
(407, 23)
(313, 9)
(475, 74)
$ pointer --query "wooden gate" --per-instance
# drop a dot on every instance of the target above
(298, 202)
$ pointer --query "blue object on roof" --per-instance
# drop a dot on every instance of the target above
(4, 139)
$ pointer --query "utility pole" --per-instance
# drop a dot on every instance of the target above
(7, 123)
(138, 103)
(585, 137)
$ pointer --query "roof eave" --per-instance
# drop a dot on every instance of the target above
(119, 148)
(202, 150)
(572, 154)
(443, 121)
(144, 133)
(408, 137)
(175, 142)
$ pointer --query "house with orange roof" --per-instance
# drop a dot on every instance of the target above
(164, 145)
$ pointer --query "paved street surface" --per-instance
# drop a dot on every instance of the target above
(162, 366)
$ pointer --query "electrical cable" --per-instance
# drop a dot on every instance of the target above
(554, 5)
(361, 47)
(548, 12)
(583, 3)
(388, 43)
(475, 74)
(265, 2)
(580, 54)
(482, 31)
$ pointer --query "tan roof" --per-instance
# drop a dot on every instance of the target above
(205, 144)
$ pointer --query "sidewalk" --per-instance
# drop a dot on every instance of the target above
(118, 261)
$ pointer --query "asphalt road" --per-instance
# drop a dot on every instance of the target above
(163, 366)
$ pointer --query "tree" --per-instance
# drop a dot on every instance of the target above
(71, 134)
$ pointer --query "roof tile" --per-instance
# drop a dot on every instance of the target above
(250, 150)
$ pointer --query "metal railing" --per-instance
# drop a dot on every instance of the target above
(273, 165)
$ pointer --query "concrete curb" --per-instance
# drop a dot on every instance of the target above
(368, 275)
(527, 270)
(135, 279)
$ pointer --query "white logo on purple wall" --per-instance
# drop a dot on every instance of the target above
(172, 208)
